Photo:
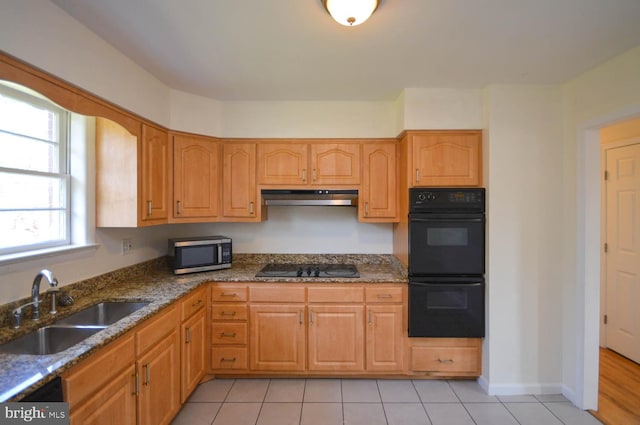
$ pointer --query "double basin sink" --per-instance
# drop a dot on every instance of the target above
(71, 330)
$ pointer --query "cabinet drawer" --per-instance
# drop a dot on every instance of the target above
(446, 359)
(384, 295)
(228, 293)
(336, 295)
(91, 375)
(193, 303)
(155, 329)
(276, 294)
(231, 358)
(229, 312)
(228, 333)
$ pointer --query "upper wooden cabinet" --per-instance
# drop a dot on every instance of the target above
(155, 158)
(379, 190)
(444, 158)
(132, 175)
(299, 164)
(196, 178)
(239, 190)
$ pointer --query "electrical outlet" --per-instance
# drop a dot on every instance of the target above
(127, 246)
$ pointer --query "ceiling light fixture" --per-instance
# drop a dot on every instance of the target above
(350, 12)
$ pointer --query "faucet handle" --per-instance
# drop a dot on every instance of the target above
(17, 317)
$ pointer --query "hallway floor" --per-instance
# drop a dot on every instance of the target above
(369, 402)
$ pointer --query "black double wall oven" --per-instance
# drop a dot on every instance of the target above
(446, 262)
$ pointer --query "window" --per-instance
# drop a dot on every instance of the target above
(34, 172)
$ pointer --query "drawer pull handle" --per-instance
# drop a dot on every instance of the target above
(228, 359)
(417, 175)
(387, 296)
(228, 294)
(300, 317)
(188, 336)
(196, 304)
(445, 360)
(228, 334)
(370, 317)
(228, 313)
(310, 317)
(178, 207)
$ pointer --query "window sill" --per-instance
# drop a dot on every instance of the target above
(68, 250)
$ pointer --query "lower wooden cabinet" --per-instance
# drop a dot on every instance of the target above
(137, 378)
(384, 348)
(336, 335)
(113, 404)
(278, 334)
(456, 357)
(159, 370)
(193, 339)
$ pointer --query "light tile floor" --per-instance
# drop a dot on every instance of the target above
(369, 402)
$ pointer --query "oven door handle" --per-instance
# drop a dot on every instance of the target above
(453, 285)
(442, 217)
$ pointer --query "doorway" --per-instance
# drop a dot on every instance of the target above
(619, 352)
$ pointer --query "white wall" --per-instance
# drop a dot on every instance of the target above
(43, 35)
(442, 108)
(524, 175)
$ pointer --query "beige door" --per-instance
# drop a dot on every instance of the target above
(623, 253)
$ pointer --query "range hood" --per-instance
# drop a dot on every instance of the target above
(310, 197)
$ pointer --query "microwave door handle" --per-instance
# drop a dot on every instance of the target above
(219, 253)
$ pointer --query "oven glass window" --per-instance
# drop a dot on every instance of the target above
(447, 236)
(193, 256)
(447, 300)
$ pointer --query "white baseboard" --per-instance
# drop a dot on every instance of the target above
(523, 388)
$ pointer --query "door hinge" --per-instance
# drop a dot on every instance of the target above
(606, 247)
(605, 319)
(606, 175)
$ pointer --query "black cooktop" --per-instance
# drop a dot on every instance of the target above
(309, 270)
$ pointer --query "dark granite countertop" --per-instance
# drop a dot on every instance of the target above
(153, 281)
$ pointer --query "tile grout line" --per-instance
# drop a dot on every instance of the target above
(460, 401)
(264, 397)
(422, 403)
(384, 412)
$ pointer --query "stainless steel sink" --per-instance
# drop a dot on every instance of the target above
(71, 330)
(103, 314)
(49, 340)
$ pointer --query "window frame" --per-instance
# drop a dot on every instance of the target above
(24, 94)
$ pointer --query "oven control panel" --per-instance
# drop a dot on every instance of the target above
(439, 199)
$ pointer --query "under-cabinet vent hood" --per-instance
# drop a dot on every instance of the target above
(311, 197)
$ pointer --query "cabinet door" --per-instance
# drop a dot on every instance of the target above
(196, 178)
(379, 196)
(277, 337)
(384, 338)
(336, 336)
(239, 180)
(154, 178)
(193, 353)
(159, 371)
(115, 403)
(335, 163)
(283, 163)
(447, 159)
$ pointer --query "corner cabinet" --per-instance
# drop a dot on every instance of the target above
(378, 198)
(132, 175)
(444, 158)
(196, 178)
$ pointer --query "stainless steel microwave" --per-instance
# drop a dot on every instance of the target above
(199, 254)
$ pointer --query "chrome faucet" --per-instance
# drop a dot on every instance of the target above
(35, 292)
(35, 297)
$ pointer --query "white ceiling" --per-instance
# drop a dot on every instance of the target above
(293, 50)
